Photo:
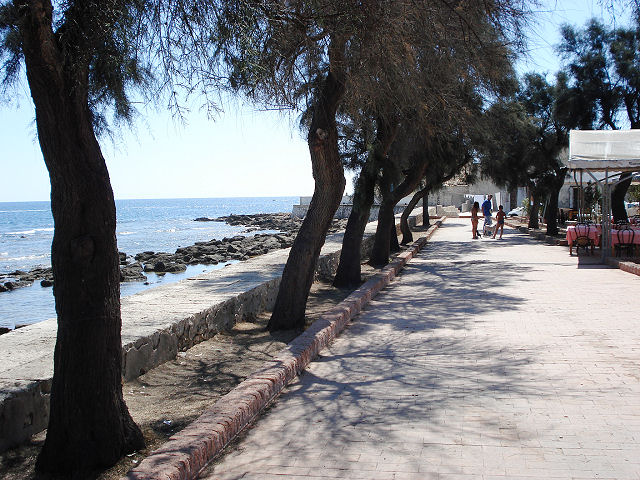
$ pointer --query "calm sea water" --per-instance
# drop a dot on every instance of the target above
(160, 225)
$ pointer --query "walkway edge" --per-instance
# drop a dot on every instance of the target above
(192, 449)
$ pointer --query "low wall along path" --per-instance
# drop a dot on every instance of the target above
(156, 325)
(191, 449)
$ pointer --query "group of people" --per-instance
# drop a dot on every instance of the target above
(486, 212)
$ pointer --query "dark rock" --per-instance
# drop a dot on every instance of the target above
(48, 283)
(4, 330)
(144, 256)
(16, 284)
(132, 273)
(3, 288)
(159, 267)
(175, 268)
(206, 219)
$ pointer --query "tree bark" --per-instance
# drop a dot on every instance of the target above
(349, 269)
(426, 222)
(617, 198)
(407, 236)
(386, 220)
(534, 212)
(89, 425)
(297, 277)
(382, 242)
(552, 207)
(394, 245)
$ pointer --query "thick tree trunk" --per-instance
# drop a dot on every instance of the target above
(534, 212)
(297, 277)
(552, 207)
(426, 223)
(89, 425)
(386, 220)
(617, 198)
(552, 213)
(407, 236)
(382, 242)
(349, 270)
(394, 244)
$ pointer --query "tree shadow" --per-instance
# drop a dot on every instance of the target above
(412, 367)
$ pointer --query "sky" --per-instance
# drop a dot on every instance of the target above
(243, 153)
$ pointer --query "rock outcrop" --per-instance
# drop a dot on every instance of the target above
(212, 252)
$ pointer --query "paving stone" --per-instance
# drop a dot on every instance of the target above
(508, 359)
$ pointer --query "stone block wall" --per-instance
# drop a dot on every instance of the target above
(24, 404)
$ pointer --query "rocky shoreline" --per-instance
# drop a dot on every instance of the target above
(239, 247)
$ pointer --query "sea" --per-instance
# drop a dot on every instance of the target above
(159, 225)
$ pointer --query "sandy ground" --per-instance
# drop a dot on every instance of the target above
(171, 396)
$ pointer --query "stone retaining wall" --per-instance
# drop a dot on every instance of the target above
(190, 450)
(24, 397)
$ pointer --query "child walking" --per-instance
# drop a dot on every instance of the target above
(474, 220)
(500, 218)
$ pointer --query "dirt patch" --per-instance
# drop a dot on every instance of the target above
(169, 397)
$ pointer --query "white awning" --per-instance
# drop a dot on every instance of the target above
(604, 149)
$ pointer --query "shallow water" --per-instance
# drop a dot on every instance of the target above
(161, 225)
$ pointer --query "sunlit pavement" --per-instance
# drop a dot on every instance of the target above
(485, 359)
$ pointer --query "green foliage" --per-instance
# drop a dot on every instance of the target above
(528, 139)
(633, 194)
(10, 45)
(592, 196)
(100, 44)
(604, 72)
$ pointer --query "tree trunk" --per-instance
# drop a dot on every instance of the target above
(534, 212)
(552, 213)
(426, 223)
(552, 207)
(617, 198)
(349, 270)
(382, 242)
(407, 236)
(386, 220)
(297, 277)
(89, 425)
(394, 245)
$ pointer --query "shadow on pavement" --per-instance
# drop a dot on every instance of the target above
(409, 370)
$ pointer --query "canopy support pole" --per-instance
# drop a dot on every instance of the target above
(605, 244)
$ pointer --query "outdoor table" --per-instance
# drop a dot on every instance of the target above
(626, 236)
(592, 232)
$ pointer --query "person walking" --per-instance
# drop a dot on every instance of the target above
(499, 221)
(474, 219)
(486, 211)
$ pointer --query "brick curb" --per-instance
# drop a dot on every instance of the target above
(630, 267)
(185, 454)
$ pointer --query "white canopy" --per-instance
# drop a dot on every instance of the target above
(617, 150)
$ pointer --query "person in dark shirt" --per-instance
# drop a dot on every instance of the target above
(486, 211)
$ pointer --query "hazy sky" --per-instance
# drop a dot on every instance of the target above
(243, 153)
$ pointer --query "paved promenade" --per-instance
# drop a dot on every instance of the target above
(485, 359)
